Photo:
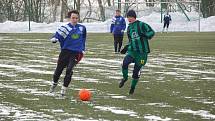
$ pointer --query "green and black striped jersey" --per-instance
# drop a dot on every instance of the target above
(138, 35)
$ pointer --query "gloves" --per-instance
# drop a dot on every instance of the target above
(54, 40)
(79, 57)
(124, 50)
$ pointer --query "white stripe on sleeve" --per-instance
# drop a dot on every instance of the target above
(68, 27)
(63, 29)
(61, 33)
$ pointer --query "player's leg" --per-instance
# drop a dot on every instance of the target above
(115, 43)
(120, 43)
(69, 72)
(167, 26)
(164, 25)
(140, 61)
(61, 64)
(135, 77)
(127, 60)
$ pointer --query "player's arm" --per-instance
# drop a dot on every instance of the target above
(149, 32)
(112, 25)
(125, 49)
(128, 34)
(59, 35)
(164, 18)
(111, 28)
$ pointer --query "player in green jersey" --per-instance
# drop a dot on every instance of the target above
(137, 49)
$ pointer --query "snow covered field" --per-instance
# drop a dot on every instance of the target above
(179, 23)
(176, 84)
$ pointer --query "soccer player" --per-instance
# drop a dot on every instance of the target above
(117, 29)
(137, 49)
(72, 38)
(167, 19)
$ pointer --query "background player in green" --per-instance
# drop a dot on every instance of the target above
(137, 49)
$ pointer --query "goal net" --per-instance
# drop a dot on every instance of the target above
(185, 14)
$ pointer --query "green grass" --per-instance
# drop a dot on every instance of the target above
(179, 74)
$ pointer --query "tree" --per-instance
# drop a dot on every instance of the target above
(64, 9)
(89, 12)
(119, 4)
(208, 8)
(164, 5)
(10, 10)
(150, 4)
(102, 10)
(56, 3)
(109, 2)
(78, 7)
(1, 12)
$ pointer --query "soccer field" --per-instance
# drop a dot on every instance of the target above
(177, 83)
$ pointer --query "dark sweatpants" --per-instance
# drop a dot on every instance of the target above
(66, 59)
(166, 24)
(118, 42)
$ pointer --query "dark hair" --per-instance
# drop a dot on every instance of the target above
(71, 12)
(131, 13)
(118, 10)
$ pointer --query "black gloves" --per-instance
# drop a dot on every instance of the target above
(124, 50)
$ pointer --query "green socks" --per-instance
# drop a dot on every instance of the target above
(134, 83)
(125, 76)
(125, 73)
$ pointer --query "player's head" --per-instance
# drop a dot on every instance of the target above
(73, 16)
(117, 12)
(131, 15)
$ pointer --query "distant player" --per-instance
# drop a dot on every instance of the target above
(137, 49)
(167, 20)
(72, 38)
(117, 29)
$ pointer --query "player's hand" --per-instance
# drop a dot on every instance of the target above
(124, 50)
(122, 31)
(79, 57)
(54, 40)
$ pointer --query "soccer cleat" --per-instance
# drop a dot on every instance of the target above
(63, 91)
(54, 85)
(116, 52)
(121, 84)
(131, 91)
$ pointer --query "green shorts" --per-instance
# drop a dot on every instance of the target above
(139, 58)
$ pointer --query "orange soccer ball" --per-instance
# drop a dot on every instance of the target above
(84, 95)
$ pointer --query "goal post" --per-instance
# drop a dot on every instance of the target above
(158, 5)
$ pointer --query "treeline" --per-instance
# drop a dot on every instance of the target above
(47, 10)
(56, 10)
(208, 8)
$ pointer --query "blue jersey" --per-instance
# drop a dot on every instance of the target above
(72, 37)
(167, 18)
(118, 25)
